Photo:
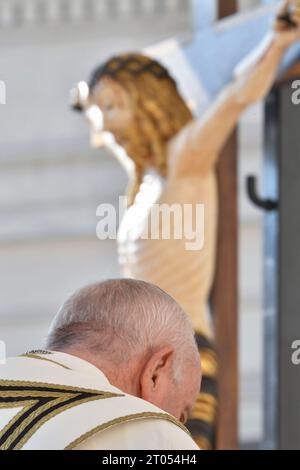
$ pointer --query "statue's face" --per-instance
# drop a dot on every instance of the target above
(117, 111)
(119, 117)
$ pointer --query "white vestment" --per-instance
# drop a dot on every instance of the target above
(55, 401)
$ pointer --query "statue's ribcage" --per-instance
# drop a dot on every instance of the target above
(186, 275)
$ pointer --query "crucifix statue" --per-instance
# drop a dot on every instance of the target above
(134, 107)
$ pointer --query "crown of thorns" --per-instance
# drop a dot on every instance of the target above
(131, 64)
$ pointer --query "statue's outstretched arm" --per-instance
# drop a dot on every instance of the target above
(196, 148)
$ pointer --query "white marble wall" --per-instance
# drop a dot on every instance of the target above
(31, 12)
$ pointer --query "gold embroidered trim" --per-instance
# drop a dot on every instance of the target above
(126, 419)
(65, 388)
(36, 410)
(35, 356)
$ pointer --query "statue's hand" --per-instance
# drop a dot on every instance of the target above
(257, 79)
(287, 23)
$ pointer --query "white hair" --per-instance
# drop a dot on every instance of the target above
(123, 319)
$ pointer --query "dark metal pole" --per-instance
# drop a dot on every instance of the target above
(289, 274)
(282, 270)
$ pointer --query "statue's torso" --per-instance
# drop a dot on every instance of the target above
(185, 274)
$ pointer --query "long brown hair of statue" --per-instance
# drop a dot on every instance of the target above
(160, 111)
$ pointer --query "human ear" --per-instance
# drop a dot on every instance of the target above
(156, 375)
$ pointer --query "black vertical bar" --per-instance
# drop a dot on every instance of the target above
(271, 318)
(289, 252)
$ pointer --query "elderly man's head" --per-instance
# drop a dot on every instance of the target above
(138, 336)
